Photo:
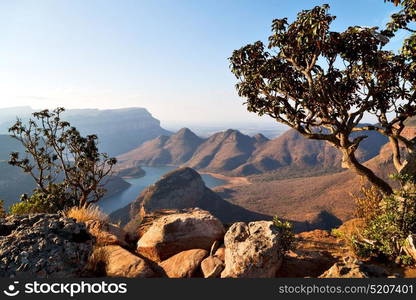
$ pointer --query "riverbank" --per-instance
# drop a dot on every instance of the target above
(230, 181)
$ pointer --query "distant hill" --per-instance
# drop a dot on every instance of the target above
(293, 151)
(225, 151)
(8, 145)
(232, 153)
(164, 150)
(184, 188)
(304, 198)
(119, 130)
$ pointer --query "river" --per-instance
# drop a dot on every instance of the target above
(110, 204)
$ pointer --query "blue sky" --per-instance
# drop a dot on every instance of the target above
(167, 56)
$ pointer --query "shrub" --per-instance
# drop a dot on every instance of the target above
(287, 237)
(42, 202)
(84, 214)
(68, 168)
(388, 222)
(368, 203)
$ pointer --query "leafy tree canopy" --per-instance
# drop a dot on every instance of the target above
(322, 83)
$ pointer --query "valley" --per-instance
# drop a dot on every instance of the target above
(289, 176)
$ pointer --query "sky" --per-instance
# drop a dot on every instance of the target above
(169, 56)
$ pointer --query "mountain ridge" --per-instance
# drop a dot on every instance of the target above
(233, 153)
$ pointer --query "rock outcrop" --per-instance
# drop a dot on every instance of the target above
(43, 246)
(118, 262)
(184, 264)
(185, 230)
(252, 250)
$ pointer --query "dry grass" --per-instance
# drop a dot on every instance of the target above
(97, 262)
(86, 214)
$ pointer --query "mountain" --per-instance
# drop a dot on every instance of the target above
(183, 188)
(225, 151)
(295, 152)
(8, 145)
(164, 150)
(304, 198)
(118, 130)
(13, 183)
(232, 153)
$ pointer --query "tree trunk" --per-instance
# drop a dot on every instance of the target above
(83, 201)
(350, 161)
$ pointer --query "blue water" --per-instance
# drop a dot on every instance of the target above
(153, 174)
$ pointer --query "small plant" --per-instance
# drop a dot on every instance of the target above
(42, 202)
(285, 229)
(87, 213)
(367, 203)
(406, 260)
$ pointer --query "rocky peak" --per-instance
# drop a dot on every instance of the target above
(186, 133)
(260, 138)
(181, 188)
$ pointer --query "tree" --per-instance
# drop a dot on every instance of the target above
(322, 83)
(68, 168)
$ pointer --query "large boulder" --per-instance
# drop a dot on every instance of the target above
(106, 233)
(187, 229)
(184, 264)
(43, 246)
(252, 250)
(118, 262)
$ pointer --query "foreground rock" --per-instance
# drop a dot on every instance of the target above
(353, 268)
(252, 250)
(43, 245)
(212, 267)
(185, 230)
(106, 233)
(184, 264)
(118, 262)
